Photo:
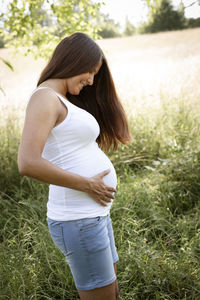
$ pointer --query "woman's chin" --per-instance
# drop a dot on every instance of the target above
(75, 92)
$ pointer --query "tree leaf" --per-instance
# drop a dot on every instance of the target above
(1, 89)
(7, 63)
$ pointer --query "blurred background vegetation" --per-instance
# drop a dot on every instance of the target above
(36, 23)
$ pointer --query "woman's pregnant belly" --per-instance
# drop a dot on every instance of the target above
(93, 164)
(88, 162)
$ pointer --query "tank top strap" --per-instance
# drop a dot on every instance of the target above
(66, 102)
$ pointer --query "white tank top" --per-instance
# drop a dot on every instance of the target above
(72, 146)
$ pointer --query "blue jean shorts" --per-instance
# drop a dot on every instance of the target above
(89, 248)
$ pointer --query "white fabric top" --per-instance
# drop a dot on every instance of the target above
(72, 146)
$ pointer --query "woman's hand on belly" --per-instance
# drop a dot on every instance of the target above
(98, 190)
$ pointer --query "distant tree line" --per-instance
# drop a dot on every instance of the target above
(39, 26)
(162, 16)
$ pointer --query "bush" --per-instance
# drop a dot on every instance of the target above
(163, 17)
(2, 43)
(129, 28)
(192, 23)
(108, 30)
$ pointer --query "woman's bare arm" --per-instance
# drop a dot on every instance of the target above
(42, 113)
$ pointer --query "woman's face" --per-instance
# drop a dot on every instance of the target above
(75, 84)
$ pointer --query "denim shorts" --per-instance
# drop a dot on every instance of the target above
(89, 248)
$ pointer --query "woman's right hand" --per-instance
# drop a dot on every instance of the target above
(99, 191)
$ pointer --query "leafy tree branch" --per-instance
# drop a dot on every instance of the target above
(38, 25)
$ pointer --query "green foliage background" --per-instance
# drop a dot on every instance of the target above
(163, 17)
(38, 25)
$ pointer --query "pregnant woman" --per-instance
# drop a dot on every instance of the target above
(72, 116)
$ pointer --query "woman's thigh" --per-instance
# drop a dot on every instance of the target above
(104, 293)
(86, 244)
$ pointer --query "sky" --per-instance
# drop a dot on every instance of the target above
(136, 11)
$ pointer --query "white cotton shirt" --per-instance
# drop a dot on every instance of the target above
(72, 146)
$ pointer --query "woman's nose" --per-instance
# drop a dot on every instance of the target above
(90, 79)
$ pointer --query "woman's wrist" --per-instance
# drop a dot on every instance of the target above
(84, 184)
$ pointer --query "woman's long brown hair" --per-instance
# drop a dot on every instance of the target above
(78, 54)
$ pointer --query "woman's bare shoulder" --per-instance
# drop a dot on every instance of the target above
(44, 103)
(44, 96)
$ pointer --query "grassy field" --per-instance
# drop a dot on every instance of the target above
(156, 210)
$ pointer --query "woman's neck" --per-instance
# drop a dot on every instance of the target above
(58, 85)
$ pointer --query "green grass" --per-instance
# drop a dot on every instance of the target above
(155, 213)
